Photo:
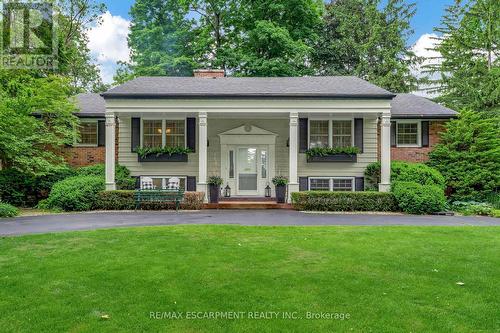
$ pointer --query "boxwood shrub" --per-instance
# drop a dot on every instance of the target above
(414, 198)
(77, 193)
(124, 200)
(7, 210)
(122, 175)
(405, 172)
(344, 201)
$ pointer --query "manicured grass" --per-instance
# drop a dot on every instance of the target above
(388, 279)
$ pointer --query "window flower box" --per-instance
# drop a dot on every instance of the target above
(163, 158)
(336, 154)
(165, 154)
(340, 157)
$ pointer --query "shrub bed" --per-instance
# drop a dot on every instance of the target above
(7, 210)
(124, 200)
(405, 172)
(344, 201)
(78, 193)
(414, 198)
(122, 175)
(23, 190)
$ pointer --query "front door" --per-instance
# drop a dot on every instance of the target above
(247, 170)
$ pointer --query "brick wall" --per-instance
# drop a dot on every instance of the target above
(416, 154)
(83, 156)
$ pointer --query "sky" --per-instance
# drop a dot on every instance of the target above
(108, 42)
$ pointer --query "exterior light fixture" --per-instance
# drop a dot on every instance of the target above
(268, 191)
(227, 191)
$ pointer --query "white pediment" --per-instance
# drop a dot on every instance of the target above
(247, 130)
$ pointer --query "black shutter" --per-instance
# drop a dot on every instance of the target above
(303, 184)
(191, 184)
(137, 182)
(358, 133)
(303, 135)
(101, 133)
(136, 134)
(191, 133)
(359, 184)
(425, 134)
(393, 134)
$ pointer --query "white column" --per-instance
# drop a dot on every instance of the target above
(385, 154)
(202, 153)
(110, 151)
(293, 180)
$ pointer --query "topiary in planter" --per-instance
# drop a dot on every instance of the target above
(280, 182)
(214, 183)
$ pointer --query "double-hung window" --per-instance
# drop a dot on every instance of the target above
(331, 184)
(408, 133)
(330, 133)
(163, 133)
(88, 133)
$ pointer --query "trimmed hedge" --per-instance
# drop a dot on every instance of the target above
(124, 200)
(414, 198)
(78, 193)
(405, 172)
(344, 201)
(7, 210)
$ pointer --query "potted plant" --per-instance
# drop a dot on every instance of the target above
(280, 182)
(214, 183)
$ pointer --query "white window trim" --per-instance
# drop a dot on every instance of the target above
(164, 179)
(330, 129)
(353, 182)
(419, 133)
(163, 129)
(96, 121)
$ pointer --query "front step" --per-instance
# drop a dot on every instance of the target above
(247, 205)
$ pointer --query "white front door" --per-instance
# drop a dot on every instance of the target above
(247, 171)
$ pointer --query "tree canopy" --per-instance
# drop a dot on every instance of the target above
(467, 74)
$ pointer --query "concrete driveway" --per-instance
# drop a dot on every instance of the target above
(102, 220)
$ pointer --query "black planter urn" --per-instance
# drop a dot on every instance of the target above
(214, 191)
(281, 193)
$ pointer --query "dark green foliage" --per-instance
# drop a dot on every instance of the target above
(116, 200)
(467, 73)
(215, 180)
(368, 39)
(7, 210)
(406, 172)
(414, 198)
(122, 175)
(124, 200)
(344, 201)
(280, 181)
(25, 190)
(468, 156)
(79, 193)
(146, 151)
(325, 151)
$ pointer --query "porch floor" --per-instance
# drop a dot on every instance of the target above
(247, 203)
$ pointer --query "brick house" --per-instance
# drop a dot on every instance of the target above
(248, 130)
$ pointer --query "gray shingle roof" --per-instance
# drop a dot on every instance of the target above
(91, 105)
(317, 86)
(413, 106)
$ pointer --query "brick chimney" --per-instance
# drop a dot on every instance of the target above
(209, 73)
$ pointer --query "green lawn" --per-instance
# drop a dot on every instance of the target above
(388, 279)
